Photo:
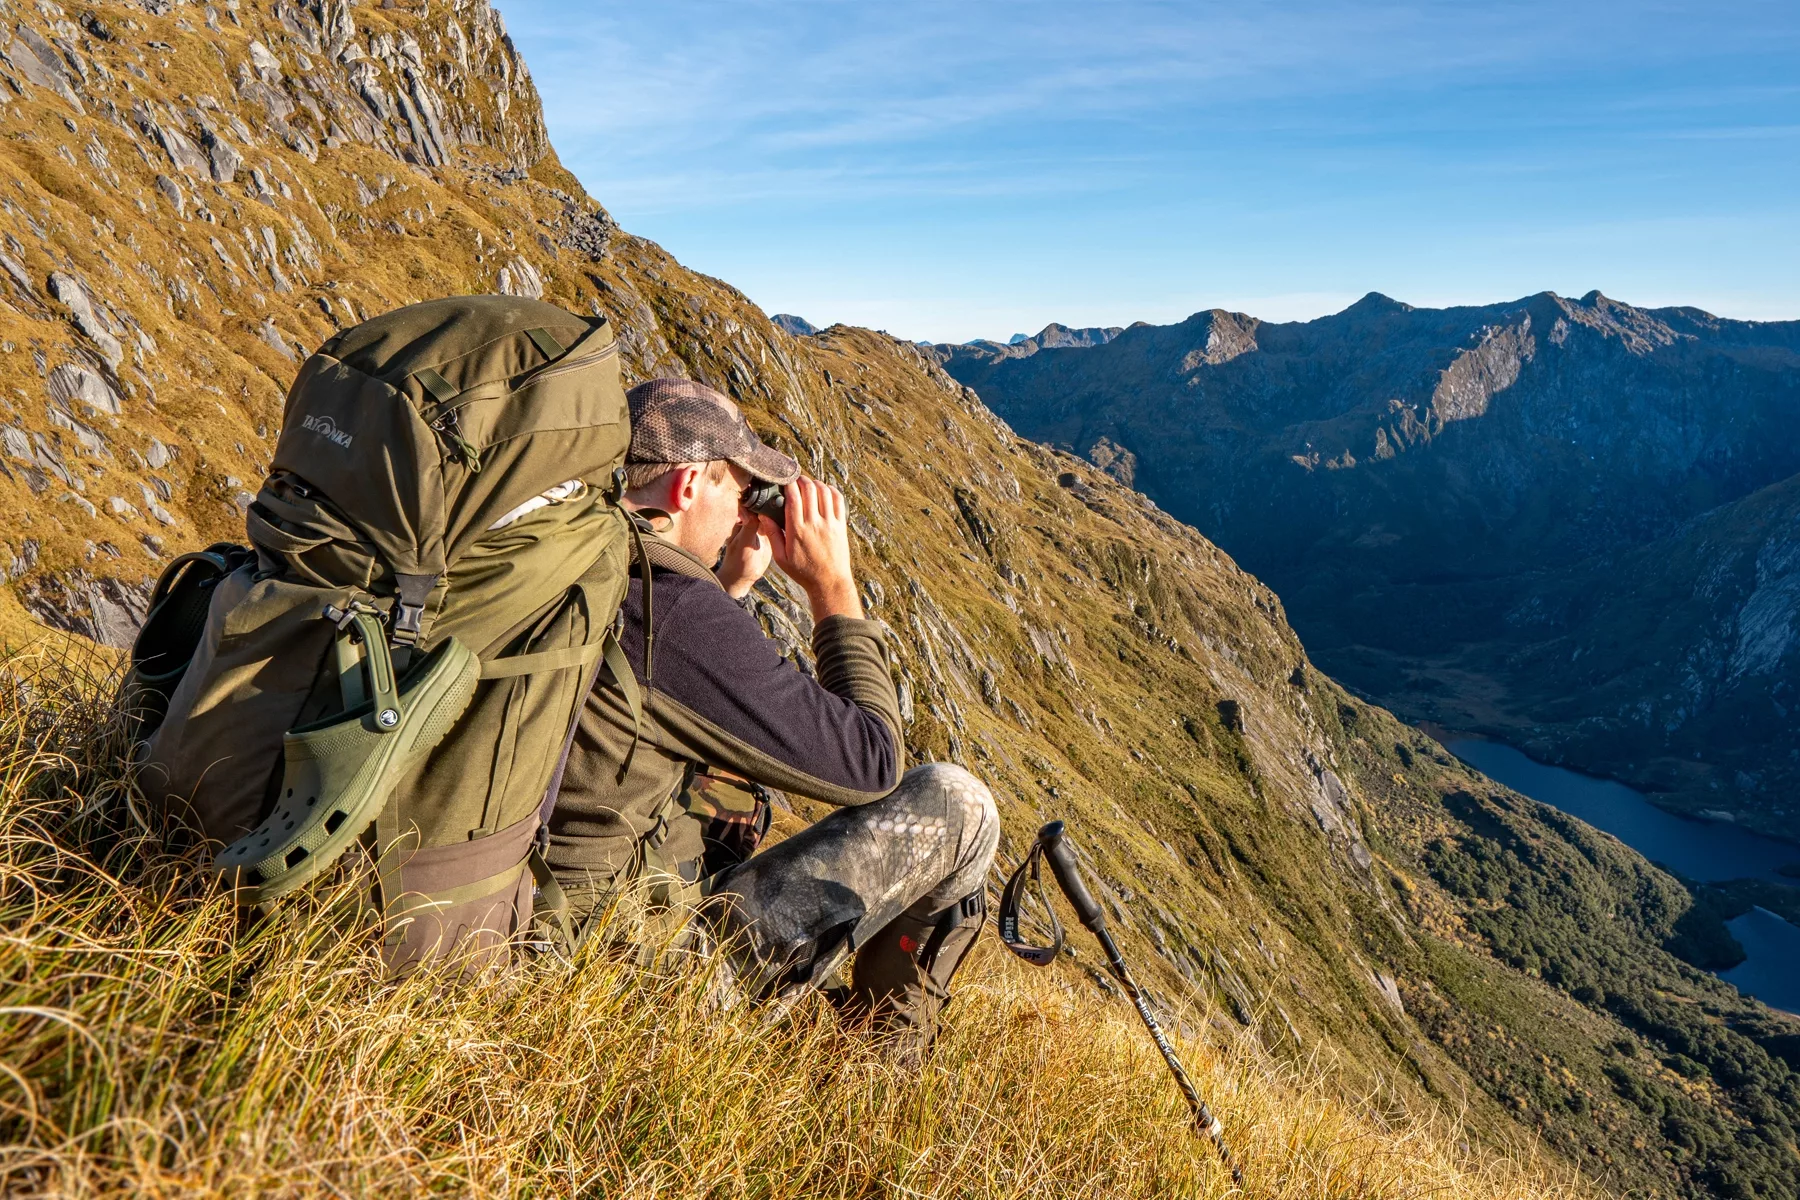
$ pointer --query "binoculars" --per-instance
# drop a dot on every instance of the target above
(767, 500)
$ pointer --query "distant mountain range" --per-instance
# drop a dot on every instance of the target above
(1051, 337)
(1569, 523)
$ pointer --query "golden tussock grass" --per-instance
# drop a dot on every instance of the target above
(149, 1045)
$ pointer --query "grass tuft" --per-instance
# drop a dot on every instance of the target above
(151, 1042)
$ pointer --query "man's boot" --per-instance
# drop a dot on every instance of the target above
(900, 982)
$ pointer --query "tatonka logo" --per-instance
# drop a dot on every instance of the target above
(326, 428)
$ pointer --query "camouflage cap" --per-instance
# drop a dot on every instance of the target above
(682, 421)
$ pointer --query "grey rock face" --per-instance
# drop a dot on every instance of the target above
(179, 148)
(108, 610)
(72, 386)
(74, 294)
(223, 158)
(265, 64)
(19, 275)
(520, 278)
(273, 336)
(16, 443)
(171, 191)
(37, 60)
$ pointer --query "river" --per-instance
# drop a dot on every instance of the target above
(1708, 851)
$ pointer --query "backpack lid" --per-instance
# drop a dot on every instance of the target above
(425, 425)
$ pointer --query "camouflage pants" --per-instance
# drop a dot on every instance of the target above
(898, 882)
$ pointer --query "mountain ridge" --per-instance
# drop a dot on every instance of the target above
(1054, 336)
(1418, 482)
(798, 326)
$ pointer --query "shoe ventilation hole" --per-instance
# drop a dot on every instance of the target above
(334, 820)
(310, 800)
(295, 856)
(290, 794)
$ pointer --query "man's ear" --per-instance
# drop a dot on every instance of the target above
(682, 488)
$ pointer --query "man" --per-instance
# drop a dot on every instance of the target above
(896, 874)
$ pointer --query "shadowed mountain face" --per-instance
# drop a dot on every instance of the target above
(1449, 500)
(190, 210)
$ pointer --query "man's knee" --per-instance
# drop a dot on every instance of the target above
(967, 802)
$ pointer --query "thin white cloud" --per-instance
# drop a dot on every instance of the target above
(806, 77)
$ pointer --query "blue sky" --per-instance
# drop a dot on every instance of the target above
(948, 171)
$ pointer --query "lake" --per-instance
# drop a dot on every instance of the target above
(1708, 851)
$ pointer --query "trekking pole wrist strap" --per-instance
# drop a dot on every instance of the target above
(1014, 896)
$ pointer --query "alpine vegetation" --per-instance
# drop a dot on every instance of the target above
(155, 1045)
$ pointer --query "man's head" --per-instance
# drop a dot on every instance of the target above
(692, 455)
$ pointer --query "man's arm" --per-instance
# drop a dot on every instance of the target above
(725, 696)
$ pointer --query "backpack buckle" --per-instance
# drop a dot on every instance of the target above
(409, 607)
(407, 618)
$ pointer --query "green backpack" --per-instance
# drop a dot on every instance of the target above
(438, 560)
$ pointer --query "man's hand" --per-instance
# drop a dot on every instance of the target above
(747, 556)
(813, 548)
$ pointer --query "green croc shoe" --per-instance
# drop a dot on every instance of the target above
(339, 773)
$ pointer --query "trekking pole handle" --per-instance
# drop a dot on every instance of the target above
(1061, 856)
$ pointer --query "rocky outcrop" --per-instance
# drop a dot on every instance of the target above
(798, 326)
(203, 195)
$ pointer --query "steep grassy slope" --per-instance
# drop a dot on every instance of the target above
(1297, 865)
(1429, 491)
(153, 1046)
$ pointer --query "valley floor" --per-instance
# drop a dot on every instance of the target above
(1461, 692)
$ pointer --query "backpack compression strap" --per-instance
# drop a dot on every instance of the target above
(1010, 899)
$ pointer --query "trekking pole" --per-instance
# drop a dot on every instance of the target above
(1052, 846)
